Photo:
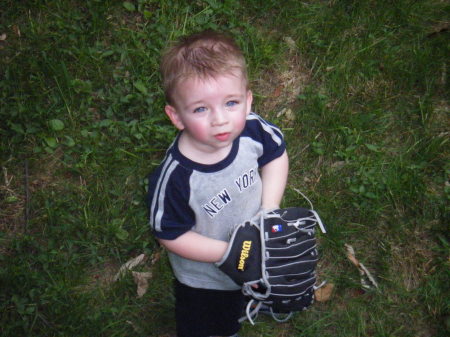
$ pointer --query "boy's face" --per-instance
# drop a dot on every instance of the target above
(211, 112)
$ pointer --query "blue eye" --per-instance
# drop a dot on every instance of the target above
(200, 109)
(231, 103)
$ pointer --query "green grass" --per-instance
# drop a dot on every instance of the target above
(360, 89)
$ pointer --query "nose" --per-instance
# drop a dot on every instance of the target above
(219, 117)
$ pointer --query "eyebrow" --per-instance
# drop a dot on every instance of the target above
(200, 102)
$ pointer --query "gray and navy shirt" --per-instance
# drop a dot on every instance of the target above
(211, 199)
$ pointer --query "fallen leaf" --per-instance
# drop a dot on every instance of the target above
(338, 164)
(155, 257)
(130, 264)
(324, 293)
(16, 30)
(351, 255)
(363, 271)
(141, 279)
(289, 115)
(290, 42)
(277, 91)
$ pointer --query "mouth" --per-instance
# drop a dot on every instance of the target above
(222, 136)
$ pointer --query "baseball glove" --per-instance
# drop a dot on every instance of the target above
(274, 257)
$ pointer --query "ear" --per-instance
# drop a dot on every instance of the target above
(174, 116)
(249, 101)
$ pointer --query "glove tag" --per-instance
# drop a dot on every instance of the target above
(245, 253)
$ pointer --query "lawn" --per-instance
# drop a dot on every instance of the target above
(360, 90)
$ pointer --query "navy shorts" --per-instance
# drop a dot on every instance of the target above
(206, 312)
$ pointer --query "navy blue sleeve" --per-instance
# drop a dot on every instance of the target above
(268, 134)
(168, 201)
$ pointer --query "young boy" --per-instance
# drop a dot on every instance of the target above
(224, 166)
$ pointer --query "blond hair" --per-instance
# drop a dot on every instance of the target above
(202, 55)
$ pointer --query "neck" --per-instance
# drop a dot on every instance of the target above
(202, 156)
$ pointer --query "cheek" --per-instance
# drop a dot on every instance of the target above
(197, 128)
(239, 122)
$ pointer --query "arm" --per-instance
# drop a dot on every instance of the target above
(197, 247)
(274, 177)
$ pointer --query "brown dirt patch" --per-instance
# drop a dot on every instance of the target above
(15, 184)
(282, 85)
(412, 260)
